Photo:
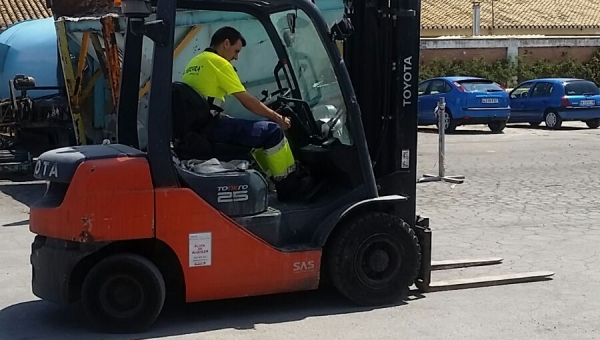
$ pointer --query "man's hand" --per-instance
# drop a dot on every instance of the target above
(284, 122)
(257, 107)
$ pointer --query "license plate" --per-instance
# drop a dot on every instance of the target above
(489, 100)
(587, 102)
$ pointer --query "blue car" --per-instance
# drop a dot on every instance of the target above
(554, 100)
(469, 100)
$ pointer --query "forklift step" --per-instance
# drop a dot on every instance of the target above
(452, 264)
(487, 281)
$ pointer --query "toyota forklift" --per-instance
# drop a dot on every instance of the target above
(122, 228)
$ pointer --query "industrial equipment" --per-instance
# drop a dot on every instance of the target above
(124, 226)
(31, 125)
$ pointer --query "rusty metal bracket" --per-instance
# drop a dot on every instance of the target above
(112, 56)
(70, 82)
(100, 54)
(80, 66)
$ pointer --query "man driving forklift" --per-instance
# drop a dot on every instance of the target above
(213, 76)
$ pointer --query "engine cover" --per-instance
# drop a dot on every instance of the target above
(59, 165)
(234, 192)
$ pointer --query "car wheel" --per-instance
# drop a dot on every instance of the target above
(553, 120)
(593, 123)
(497, 126)
(450, 123)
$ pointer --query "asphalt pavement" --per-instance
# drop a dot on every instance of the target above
(531, 196)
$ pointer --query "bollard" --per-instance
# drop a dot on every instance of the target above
(441, 113)
(441, 116)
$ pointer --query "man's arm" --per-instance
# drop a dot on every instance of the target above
(257, 107)
(230, 82)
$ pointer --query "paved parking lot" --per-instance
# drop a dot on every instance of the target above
(531, 196)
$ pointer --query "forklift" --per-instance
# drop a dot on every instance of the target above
(123, 228)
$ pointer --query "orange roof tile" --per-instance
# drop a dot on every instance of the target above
(435, 14)
(14, 11)
(511, 14)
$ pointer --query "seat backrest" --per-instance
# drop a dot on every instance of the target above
(190, 110)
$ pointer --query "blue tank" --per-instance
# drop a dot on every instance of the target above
(30, 48)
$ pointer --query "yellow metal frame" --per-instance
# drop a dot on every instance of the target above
(80, 66)
(90, 85)
(180, 47)
(108, 57)
(72, 83)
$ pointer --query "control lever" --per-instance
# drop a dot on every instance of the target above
(287, 111)
(335, 119)
(265, 94)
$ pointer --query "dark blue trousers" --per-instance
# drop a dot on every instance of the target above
(250, 133)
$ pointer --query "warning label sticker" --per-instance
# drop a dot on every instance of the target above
(200, 249)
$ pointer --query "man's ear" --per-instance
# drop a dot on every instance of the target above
(226, 43)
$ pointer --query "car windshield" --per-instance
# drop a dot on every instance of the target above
(580, 87)
(312, 67)
(479, 85)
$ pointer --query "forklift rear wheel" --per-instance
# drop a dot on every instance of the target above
(373, 259)
(123, 293)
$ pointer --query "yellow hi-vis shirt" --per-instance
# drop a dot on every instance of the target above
(212, 76)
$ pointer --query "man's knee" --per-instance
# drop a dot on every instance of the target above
(269, 132)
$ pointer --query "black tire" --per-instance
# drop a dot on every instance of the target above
(141, 288)
(497, 126)
(373, 259)
(553, 120)
(593, 123)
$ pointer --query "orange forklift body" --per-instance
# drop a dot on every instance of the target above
(219, 258)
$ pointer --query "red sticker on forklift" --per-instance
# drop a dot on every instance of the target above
(200, 249)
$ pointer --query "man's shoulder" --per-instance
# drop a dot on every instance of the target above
(213, 58)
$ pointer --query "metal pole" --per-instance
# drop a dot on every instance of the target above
(441, 112)
(476, 17)
(442, 133)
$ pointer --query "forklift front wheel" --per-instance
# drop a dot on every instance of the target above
(374, 258)
(123, 293)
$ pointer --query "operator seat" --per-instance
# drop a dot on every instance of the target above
(191, 123)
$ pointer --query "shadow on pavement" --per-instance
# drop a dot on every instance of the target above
(17, 224)
(35, 319)
(459, 131)
(544, 128)
(24, 192)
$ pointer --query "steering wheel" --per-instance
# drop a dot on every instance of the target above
(272, 97)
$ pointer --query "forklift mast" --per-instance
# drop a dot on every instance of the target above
(382, 58)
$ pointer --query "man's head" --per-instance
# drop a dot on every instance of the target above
(228, 42)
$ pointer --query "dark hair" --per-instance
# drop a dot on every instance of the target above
(226, 33)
